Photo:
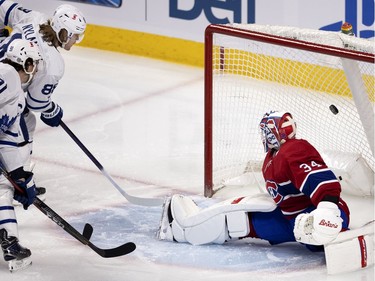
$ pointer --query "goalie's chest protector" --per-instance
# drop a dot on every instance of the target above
(286, 173)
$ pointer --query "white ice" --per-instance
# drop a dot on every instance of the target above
(143, 120)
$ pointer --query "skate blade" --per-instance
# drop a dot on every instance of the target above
(16, 265)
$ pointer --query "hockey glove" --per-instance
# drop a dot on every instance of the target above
(26, 183)
(319, 227)
(52, 117)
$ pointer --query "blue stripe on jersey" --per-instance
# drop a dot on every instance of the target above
(10, 133)
(315, 179)
(45, 103)
(8, 221)
(6, 208)
(8, 12)
(8, 143)
(24, 130)
(287, 188)
(1, 2)
(3, 86)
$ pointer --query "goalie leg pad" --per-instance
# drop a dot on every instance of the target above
(238, 224)
(213, 230)
(207, 231)
(351, 250)
(217, 229)
(215, 224)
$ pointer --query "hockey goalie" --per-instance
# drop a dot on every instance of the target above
(303, 205)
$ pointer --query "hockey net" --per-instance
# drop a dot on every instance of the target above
(252, 69)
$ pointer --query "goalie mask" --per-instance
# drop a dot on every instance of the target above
(71, 19)
(276, 128)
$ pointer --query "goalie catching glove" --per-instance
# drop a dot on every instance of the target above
(52, 116)
(319, 227)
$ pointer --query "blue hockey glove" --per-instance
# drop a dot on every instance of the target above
(52, 117)
(26, 183)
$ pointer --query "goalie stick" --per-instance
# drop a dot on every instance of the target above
(132, 199)
(87, 231)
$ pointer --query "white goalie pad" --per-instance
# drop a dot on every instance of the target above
(351, 250)
(218, 223)
(356, 177)
(255, 203)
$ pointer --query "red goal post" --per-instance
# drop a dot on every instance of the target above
(251, 69)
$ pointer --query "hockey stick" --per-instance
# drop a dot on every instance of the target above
(87, 231)
(132, 199)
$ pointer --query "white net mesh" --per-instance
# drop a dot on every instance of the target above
(252, 77)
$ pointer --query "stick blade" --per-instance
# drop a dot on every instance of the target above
(122, 250)
(87, 231)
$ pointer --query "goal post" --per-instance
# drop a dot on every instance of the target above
(325, 79)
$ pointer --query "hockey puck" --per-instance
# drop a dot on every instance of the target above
(333, 109)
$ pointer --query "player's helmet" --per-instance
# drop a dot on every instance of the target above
(276, 128)
(69, 18)
(24, 53)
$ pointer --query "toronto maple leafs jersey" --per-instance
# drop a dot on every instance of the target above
(25, 24)
(12, 104)
(297, 178)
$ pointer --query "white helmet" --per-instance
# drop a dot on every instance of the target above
(23, 52)
(69, 18)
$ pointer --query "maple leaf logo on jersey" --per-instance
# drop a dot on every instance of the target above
(6, 122)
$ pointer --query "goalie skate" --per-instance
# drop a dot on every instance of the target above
(165, 228)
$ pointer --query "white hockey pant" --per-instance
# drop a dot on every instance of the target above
(218, 223)
(8, 219)
(26, 150)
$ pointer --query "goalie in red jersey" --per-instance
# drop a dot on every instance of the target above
(303, 205)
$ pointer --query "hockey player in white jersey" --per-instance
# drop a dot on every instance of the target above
(64, 29)
(19, 65)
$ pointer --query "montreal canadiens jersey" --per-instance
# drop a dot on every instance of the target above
(297, 178)
(25, 24)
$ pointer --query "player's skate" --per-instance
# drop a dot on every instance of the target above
(165, 228)
(17, 256)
